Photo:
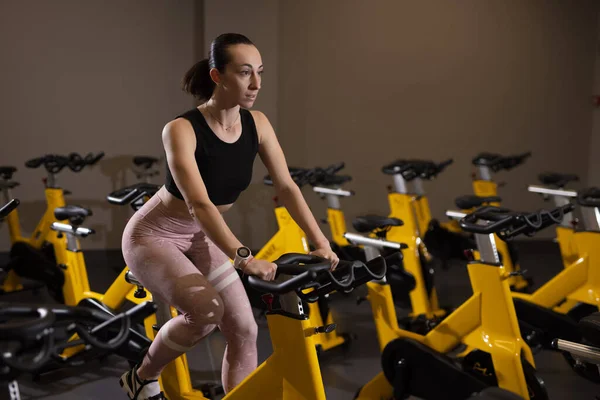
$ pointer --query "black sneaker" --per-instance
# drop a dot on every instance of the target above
(138, 389)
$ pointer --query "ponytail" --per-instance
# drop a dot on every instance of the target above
(197, 81)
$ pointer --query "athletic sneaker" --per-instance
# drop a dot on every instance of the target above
(138, 389)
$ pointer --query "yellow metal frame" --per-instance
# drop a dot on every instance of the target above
(484, 188)
(486, 321)
(402, 206)
(290, 238)
(337, 225)
(42, 233)
(292, 372)
(577, 283)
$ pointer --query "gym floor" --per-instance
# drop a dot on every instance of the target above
(344, 371)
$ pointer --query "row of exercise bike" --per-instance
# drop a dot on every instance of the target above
(484, 344)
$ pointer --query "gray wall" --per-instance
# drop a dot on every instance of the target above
(369, 82)
(86, 77)
(354, 81)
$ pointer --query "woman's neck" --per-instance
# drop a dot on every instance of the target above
(226, 114)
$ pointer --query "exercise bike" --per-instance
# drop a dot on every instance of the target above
(34, 257)
(476, 346)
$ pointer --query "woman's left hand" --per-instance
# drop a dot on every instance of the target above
(327, 253)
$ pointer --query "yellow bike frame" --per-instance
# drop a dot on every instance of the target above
(486, 321)
(291, 239)
(577, 283)
(402, 206)
(41, 234)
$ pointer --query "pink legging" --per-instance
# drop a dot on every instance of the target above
(169, 254)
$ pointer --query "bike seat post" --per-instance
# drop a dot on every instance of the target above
(400, 184)
(5, 191)
(51, 180)
(333, 201)
(486, 245)
(418, 187)
(591, 218)
(485, 174)
(69, 231)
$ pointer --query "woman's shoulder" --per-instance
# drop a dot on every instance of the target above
(179, 126)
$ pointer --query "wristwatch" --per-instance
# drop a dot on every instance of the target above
(241, 254)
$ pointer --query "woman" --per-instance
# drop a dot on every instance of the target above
(178, 244)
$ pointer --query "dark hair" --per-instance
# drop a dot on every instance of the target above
(197, 81)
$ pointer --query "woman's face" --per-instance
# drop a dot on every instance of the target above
(242, 77)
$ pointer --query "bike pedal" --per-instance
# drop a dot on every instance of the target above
(325, 328)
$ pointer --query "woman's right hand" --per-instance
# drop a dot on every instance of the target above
(263, 269)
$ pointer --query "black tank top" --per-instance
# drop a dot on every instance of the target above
(226, 168)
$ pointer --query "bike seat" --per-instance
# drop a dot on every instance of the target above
(410, 169)
(557, 180)
(331, 180)
(470, 201)
(590, 328)
(144, 161)
(589, 197)
(7, 172)
(75, 214)
(487, 159)
(368, 223)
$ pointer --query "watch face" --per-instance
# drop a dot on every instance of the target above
(243, 252)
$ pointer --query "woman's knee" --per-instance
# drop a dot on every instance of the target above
(205, 308)
(248, 328)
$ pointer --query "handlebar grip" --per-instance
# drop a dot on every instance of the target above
(8, 208)
(20, 329)
(36, 362)
(469, 222)
(113, 343)
(90, 159)
(333, 168)
(374, 269)
(122, 196)
(284, 287)
(589, 197)
(444, 164)
(34, 162)
(294, 258)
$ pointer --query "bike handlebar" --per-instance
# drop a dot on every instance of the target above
(316, 274)
(506, 223)
(54, 163)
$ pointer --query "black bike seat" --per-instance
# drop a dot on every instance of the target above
(470, 201)
(410, 169)
(556, 179)
(7, 171)
(144, 161)
(331, 180)
(590, 328)
(72, 213)
(487, 159)
(368, 223)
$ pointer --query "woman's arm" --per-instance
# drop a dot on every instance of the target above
(272, 156)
